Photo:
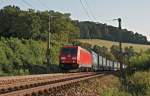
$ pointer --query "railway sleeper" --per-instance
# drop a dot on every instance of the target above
(33, 94)
(3, 91)
(52, 91)
(55, 89)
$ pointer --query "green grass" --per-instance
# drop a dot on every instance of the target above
(108, 44)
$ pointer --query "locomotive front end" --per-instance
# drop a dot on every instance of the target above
(68, 57)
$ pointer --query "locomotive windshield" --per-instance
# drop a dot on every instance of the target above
(72, 51)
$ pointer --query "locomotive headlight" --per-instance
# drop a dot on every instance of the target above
(74, 58)
(63, 58)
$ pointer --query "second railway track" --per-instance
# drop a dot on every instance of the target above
(45, 85)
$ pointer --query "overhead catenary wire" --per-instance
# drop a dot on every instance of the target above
(87, 15)
(28, 4)
(44, 5)
(90, 10)
(86, 11)
(21, 4)
(40, 3)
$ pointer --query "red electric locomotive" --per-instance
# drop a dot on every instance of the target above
(74, 57)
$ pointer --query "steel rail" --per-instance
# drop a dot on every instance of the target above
(6, 81)
(42, 82)
(48, 87)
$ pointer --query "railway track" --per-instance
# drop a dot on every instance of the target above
(41, 85)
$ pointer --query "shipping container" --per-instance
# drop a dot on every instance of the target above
(95, 63)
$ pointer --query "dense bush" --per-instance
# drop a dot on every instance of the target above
(138, 84)
(20, 56)
(137, 81)
(140, 62)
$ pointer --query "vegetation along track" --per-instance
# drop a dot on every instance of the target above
(44, 85)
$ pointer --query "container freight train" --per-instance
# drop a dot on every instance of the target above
(75, 57)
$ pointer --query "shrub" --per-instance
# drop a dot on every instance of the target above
(141, 62)
(139, 84)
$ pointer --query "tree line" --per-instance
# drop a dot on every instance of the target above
(31, 24)
(94, 30)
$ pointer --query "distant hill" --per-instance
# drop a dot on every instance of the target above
(108, 44)
(93, 30)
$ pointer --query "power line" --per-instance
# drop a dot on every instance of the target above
(48, 54)
(85, 10)
(90, 10)
(45, 6)
(28, 4)
(20, 4)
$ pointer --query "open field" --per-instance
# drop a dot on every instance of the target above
(108, 44)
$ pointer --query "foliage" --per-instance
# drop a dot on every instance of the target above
(103, 51)
(94, 30)
(138, 84)
(147, 51)
(140, 62)
(15, 22)
(137, 81)
(17, 55)
(25, 32)
(115, 51)
(127, 52)
(83, 45)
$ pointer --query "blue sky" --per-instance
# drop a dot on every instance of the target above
(135, 14)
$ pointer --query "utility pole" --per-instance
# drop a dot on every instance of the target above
(48, 55)
(48, 43)
(120, 47)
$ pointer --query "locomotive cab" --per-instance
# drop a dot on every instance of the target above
(75, 57)
(68, 57)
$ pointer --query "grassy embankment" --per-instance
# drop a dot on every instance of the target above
(108, 44)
